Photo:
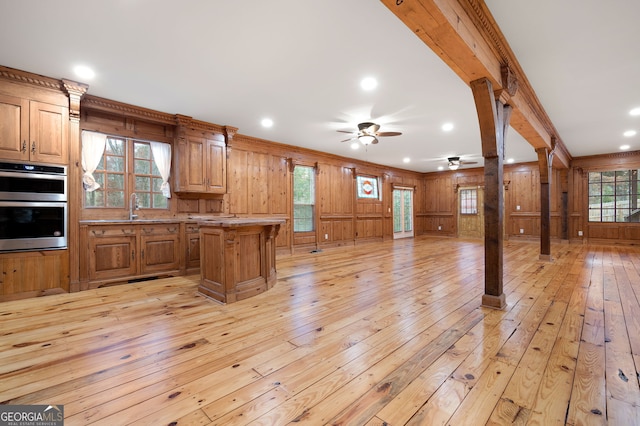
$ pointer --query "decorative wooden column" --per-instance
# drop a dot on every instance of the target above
(493, 117)
(75, 91)
(545, 165)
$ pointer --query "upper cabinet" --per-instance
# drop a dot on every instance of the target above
(33, 131)
(200, 159)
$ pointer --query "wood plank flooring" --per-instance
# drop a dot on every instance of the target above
(389, 333)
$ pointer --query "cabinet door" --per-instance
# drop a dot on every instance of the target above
(159, 248)
(193, 251)
(14, 128)
(159, 253)
(216, 167)
(112, 257)
(48, 133)
(192, 165)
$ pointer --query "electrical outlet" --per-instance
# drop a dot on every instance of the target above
(579, 233)
(439, 228)
(521, 231)
(517, 207)
(326, 236)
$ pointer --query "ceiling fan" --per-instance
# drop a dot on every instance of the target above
(368, 133)
(455, 162)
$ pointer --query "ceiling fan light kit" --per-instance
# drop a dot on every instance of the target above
(454, 163)
(368, 134)
(367, 139)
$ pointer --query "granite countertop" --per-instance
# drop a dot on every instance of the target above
(233, 222)
(129, 221)
(201, 220)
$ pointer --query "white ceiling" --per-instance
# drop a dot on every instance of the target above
(300, 62)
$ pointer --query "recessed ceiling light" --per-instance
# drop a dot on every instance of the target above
(440, 168)
(447, 127)
(368, 83)
(510, 160)
(624, 147)
(630, 133)
(355, 145)
(267, 122)
(84, 72)
(635, 111)
(406, 159)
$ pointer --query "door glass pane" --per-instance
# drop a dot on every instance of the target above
(397, 212)
(408, 219)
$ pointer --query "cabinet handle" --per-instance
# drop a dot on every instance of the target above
(24, 146)
(133, 255)
(33, 147)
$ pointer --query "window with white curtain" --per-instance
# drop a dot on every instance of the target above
(127, 166)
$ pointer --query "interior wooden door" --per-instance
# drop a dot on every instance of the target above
(470, 212)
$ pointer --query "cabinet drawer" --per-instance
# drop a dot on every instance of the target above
(160, 229)
(110, 231)
(191, 228)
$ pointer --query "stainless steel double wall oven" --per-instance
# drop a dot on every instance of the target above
(33, 206)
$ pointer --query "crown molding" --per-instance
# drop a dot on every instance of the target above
(25, 77)
(101, 104)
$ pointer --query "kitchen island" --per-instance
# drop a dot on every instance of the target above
(237, 257)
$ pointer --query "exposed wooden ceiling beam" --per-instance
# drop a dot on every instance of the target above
(465, 35)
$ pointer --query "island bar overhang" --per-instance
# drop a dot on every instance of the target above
(238, 257)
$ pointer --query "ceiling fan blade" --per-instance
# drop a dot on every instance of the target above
(388, 133)
(345, 131)
(350, 139)
(468, 162)
(375, 141)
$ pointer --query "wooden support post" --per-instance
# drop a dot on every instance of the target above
(493, 117)
(545, 165)
(75, 91)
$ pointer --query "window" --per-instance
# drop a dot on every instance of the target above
(116, 183)
(304, 195)
(469, 201)
(614, 196)
(367, 186)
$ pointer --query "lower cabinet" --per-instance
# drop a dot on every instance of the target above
(192, 254)
(32, 274)
(118, 253)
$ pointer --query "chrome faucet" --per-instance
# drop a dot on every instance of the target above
(133, 205)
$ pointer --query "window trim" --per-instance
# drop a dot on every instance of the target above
(314, 173)
(632, 171)
(129, 174)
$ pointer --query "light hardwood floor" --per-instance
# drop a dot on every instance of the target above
(389, 333)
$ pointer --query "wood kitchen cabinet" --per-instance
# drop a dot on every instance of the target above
(33, 131)
(192, 249)
(159, 248)
(201, 165)
(117, 253)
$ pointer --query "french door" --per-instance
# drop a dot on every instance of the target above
(402, 213)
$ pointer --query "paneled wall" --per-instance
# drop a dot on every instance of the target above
(259, 183)
(335, 187)
(623, 233)
(522, 201)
